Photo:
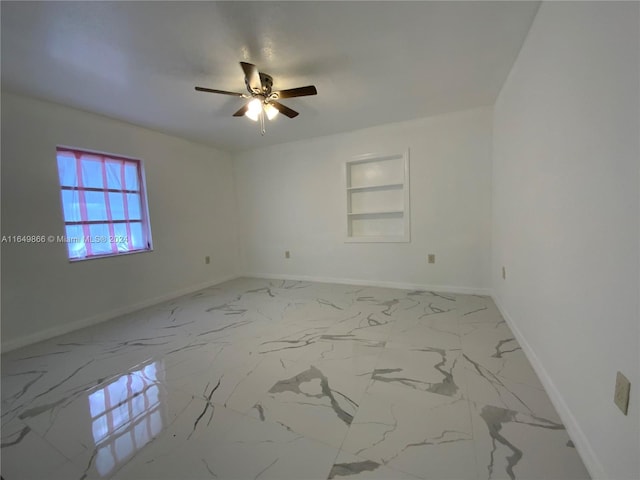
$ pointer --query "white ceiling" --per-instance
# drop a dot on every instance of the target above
(372, 62)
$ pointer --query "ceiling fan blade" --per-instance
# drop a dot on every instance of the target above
(252, 76)
(242, 111)
(298, 92)
(223, 92)
(284, 109)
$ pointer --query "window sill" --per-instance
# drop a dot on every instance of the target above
(109, 255)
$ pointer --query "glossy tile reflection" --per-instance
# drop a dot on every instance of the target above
(287, 380)
(125, 416)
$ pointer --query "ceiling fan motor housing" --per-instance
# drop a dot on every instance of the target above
(267, 84)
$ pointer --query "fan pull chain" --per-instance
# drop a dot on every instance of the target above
(263, 129)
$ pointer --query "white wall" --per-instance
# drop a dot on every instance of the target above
(291, 197)
(565, 209)
(191, 204)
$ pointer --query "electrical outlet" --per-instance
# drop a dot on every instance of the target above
(504, 273)
(287, 254)
(207, 259)
(431, 258)
(621, 394)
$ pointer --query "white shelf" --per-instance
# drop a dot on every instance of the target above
(381, 212)
(384, 186)
(374, 239)
(377, 198)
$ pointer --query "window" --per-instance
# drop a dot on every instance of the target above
(103, 203)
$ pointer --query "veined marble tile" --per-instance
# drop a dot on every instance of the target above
(421, 433)
(357, 468)
(259, 378)
(438, 330)
(250, 449)
(396, 304)
(101, 429)
(26, 455)
(198, 421)
(487, 388)
(316, 403)
(241, 378)
(479, 309)
(433, 303)
(201, 423)
(291, 343)
(513, 445)
(316, 312)
(428, 369)
(67, 471)
(355, 357)
(363, 325)
(494, 346)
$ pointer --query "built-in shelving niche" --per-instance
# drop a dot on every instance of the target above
(377, 192)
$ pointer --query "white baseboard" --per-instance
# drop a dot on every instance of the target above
(578, 437)
(374, 283)
(19, 342)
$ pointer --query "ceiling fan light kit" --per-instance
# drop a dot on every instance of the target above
(264, 101)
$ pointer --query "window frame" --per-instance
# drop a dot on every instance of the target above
(144, 221)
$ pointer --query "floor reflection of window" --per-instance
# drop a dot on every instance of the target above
(125, 416)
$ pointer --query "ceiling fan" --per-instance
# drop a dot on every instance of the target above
(264, 101)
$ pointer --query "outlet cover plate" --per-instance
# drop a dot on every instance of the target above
(621, 395)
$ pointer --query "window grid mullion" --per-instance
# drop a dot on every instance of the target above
(83, 203)
(126, 206)
(143, 210)
(95, 189)
(107, 203)
(100, 222)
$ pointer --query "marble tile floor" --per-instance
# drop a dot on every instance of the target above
(259, 379)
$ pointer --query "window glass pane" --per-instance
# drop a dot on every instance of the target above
(120, 232)
(138, 405)
(133, 203)
(124, 446)
(137, 240)
(141, 434)
(116, 201)
(120, 415)
(96, 209)
(100, 428)
(156, 423)
(105, 461)
(75, 241)
(96, 403)
(131, 175)
(91, 172)
(153, 394)
(150, 372)
(67, 170)
(114, 174)
(100, 240)
(71, 205)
